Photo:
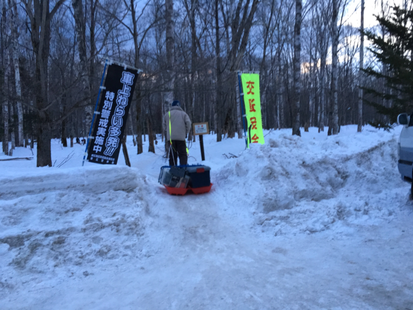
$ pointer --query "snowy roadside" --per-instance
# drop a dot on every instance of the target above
(298, 223)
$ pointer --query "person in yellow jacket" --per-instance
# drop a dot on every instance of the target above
(177, 125)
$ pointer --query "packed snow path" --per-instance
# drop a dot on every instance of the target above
(299, 230)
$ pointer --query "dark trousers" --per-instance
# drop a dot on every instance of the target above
(178, 150)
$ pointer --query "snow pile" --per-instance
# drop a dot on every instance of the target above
(66, 219)
(291, 187)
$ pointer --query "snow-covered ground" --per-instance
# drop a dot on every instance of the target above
(311, 222)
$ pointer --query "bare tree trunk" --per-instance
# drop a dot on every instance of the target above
(310, 104)
(5, 103)
(5, 90)
(280, 92)
(40, 19)
(323, 38)
(63, 102)
(12, 127)
(277, 118)
(240, 30)
(218, 84)
(90, 63)
(268, 32)
(163, 111)
(15, 57)
(297, 67)
(384, 9)
(239, 103)
(312, 82)
(149, 123)
(131, 124)
(125, 151)
(287, 92)
(138, 94)
(191, 135)
(8, 112)
(151, 147)
(170, 59)
(334, 70)
(194, 58)
(170, 51)
(360, 99)
(139, 125)
(63, 134)
(240, 24)
(80, 27)
(321, 123)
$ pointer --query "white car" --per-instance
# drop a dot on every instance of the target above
(405, 164)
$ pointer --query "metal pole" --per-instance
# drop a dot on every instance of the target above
(93, 118)
(201, 144)
(243, 114)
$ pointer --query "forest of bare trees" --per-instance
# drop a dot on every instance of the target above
(53, 52)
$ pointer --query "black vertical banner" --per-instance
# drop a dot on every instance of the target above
(110, 122)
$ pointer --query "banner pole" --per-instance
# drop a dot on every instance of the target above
(93, 118)
(243, 115)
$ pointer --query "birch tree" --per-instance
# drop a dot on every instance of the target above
(297, 67)
(334, 68)
(5, 88)
(15, 57)
(361, 67)
(170, 60)
(170, 52)
(218, 84)
(323, 44)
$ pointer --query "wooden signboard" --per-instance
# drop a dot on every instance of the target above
(201, 128)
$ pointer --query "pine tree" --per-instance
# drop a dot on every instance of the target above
(394, 51)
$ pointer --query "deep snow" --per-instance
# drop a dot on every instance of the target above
(311, 222)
